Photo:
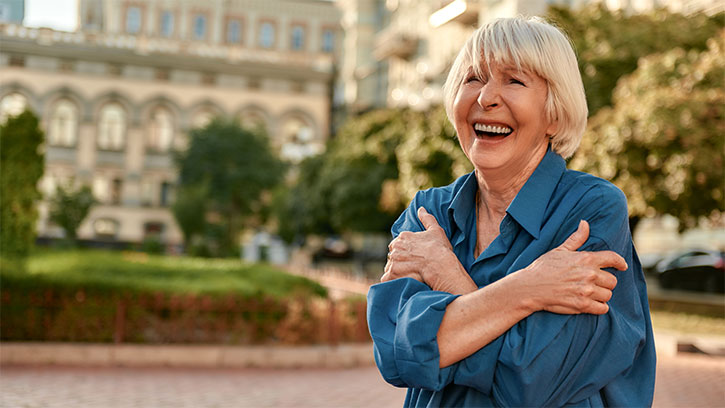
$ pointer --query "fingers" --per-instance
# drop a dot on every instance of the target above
(605, 280)
(608, 259)
(426, 219)
(578, 238)
(601, 294)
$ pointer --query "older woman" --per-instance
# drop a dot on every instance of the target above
(485, 299)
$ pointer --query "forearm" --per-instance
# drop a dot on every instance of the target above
(477, 318)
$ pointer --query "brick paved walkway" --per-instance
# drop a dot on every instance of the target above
(682, 381)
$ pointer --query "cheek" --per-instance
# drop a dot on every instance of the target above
(461, 107)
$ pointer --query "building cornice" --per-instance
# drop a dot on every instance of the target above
(157, 53)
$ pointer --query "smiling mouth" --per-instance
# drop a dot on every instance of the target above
(491, 130)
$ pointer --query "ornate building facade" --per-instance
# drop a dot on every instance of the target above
(118, 96)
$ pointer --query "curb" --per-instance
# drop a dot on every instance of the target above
(670, 344)
(206, 356)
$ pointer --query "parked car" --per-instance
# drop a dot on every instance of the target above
(699, 270)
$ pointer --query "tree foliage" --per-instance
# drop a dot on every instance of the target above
(225, 171)
(69, 207)
(21, 166)
(662, 141)
(370, 172)
(609, 43)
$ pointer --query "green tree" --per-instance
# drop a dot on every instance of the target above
(609, 43)
(69, 207)
(430, 154)
(232, 166)
(189, 209)
(370, 171)
(21, 166)
(662, 141)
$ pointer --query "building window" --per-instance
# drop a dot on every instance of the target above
(298, 37)
(266, 35)
(153, 230)
(328, 40)
(16, 61)
(202, 118)
(12, 105)
(106, 228)
(253, 120)
(147, 193)
(161, 131)
(298, 140)
(133, 20)
(234, 32)
(116, 189)
(167, 24)
(63, 124)
(199, 27)
(101, 189)
(112, 127)
(165, 196)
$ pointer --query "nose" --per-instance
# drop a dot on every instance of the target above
(490, 96)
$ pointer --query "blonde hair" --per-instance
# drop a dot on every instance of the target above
(535, 45)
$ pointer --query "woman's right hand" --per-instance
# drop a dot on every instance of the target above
(566, 281)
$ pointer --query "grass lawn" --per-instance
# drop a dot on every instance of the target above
(139, 272)
(688, 323)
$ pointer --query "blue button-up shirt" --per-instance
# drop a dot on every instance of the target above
(546, 359)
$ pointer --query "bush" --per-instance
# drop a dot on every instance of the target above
(100, 296)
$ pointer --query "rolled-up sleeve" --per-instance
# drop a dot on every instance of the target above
(404, 316)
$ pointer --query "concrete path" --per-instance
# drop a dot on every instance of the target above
(682, 381)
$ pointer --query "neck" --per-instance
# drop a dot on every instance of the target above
(497, 188)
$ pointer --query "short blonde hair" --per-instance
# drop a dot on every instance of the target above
(537, 46)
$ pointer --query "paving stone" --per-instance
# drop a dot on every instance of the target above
(682, 381)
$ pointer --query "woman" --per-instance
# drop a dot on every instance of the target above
(485, 299)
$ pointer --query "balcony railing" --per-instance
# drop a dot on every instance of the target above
(147, 45)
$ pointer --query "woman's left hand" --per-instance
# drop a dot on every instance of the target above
(428, 257)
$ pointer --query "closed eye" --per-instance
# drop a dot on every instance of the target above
(516, 81)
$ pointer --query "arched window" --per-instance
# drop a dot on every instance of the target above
(328, 40)
(133, 20)
(298, 37)
(112, 127)
(167, 24)
(234, 32)
(266, 35)
(298, 140)
(161, 131)
(252, 120)
(12, 105)
(199, 27)
(202, 118)
(63, 126)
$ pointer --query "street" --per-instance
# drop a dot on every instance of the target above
(687, 380)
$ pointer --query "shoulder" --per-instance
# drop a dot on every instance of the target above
(441, 195)
(602, 204)
(436, 200)
(595, 193)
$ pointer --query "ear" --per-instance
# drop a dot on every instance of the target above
(552, 128)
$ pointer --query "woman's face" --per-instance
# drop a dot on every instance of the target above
(500, 119)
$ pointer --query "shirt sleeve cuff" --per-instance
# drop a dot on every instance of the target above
(415, 343)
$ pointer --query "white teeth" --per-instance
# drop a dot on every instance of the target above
(492, 129)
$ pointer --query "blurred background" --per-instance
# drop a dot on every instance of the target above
(226, 172)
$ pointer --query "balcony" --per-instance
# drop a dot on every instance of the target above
(391, 42)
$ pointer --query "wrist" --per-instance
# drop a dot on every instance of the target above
(526, 300)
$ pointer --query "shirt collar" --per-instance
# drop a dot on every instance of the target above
(529, 205)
